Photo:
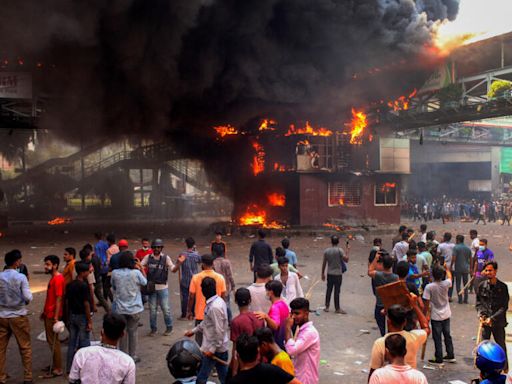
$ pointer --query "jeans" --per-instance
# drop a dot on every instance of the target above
(442, 328)
(98, 292)
(228, 306)
(499, 337)
(380, 319)
(107, 292)
(128, 343)
(20, 328)
(207, 365)
(160, 298)
(333, 281)
(461, 279)
(79, 337)
(184, 300)
(54, 343)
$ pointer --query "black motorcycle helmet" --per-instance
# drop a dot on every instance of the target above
(184, 359)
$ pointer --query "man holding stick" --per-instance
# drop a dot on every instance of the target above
(492, 304)
(215, 328)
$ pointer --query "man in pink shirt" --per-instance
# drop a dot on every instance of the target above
(304, 349)
(397, 371)
(278, 312)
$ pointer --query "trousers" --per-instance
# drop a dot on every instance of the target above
(442, 328)
(128, 343)
(333, 281)
(20, 328)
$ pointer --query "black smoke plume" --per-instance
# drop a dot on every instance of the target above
(175, 68)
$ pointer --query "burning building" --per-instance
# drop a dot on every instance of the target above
(308, 175)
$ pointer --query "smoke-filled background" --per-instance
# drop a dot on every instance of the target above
(161, 68)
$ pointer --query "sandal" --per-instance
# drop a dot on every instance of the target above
(51, 375)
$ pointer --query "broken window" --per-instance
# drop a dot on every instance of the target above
(385, 193)
(344, 194)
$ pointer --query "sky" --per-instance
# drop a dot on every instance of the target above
(486, 18)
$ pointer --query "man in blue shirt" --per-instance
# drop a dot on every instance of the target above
(14, 296)
(126, 283)
(290, 255)
(100, 251)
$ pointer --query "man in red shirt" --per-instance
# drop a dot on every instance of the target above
(144, 251)
(52, 311)
(245, 322)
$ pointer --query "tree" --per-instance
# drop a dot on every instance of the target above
(499, 88)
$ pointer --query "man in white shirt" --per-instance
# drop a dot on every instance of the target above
(436, 294)
(445, 253)
(423, 231)
(104, 364)
(397, 371)
(400, 249)
(290, 281)
(259, 299)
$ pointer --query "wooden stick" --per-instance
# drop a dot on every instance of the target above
(468, 284)
(424, 346)
(310, 290)
(478, 339)
(220, 361)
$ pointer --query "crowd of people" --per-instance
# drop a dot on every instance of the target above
(272, 337)
(452, 209)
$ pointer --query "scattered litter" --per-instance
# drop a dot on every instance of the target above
(425, 366)
(42, 336)
(364, 331)
(364, 370)
(306, 277)
(252, 236)
(359, 237)
(323, 362)
(319, 238)
(358, 362)
(339, 373)
(34, 248)
(473, 338)
(457, 382)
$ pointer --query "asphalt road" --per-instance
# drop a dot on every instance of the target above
(345, 344)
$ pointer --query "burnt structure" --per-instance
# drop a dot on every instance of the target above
(324, 180)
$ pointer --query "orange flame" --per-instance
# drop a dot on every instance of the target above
(267, 125)
(258, 160)
(358, 124)
(342, 201)
(308, 130)
(333, 226)
(224, 130)
(254, 215)
(276, 199)
(386, 187)
(279, 167)
(402, 103)
(59, 221)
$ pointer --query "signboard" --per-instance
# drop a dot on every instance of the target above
(439, 79)
(506, 160)
(15, 85)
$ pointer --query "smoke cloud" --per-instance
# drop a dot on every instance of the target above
(175, 68)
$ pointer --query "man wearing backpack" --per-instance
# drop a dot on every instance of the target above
(334, 260)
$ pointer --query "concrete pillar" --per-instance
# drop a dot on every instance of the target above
(495, 171)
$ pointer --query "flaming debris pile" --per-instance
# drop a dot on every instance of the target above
(254, 215)
(60, 221)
